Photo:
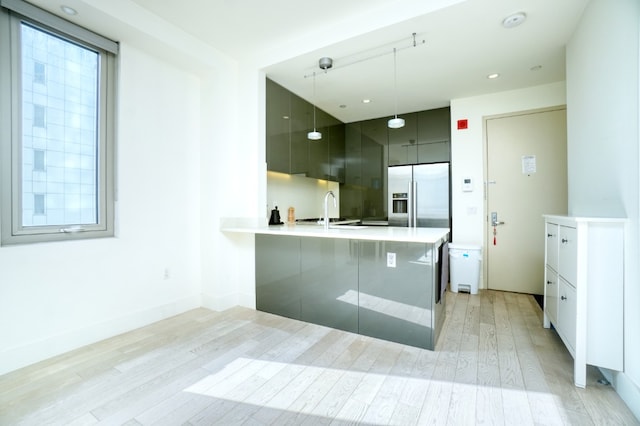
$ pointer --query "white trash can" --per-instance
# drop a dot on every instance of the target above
(464, 264)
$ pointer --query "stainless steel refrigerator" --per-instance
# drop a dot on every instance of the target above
(419, 196)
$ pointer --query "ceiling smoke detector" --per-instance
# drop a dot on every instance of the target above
(325, 63)
(514, 20)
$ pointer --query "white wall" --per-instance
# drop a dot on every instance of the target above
(603, 119)
(233, 183)
(58, 296)
(467, 150)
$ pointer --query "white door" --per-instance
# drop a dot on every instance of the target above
(526, 167)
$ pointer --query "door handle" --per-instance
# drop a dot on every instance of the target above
(494, 219)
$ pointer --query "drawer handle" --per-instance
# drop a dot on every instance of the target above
(563, 298)
(549, 235)
(564, 240)
(549, 282)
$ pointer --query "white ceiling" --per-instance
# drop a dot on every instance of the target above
(464, 41)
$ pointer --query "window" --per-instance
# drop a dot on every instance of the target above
(38, 114)
(38, 204)
(57, 82)
(38, 72)
(38, 160)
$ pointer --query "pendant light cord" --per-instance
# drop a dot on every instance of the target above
(314, 101)
(395, 81)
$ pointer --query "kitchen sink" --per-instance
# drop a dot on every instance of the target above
(347, 226)
(334, 221)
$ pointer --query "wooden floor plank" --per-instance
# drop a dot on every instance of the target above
(494, 364)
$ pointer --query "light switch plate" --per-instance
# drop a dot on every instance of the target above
(391, 260)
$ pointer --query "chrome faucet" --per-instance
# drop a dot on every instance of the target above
(326, 207)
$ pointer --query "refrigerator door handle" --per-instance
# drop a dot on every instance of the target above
(410, 204)
(414, 206)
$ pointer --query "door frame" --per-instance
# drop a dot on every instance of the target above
(485, 178)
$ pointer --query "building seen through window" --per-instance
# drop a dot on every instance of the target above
(59, 130)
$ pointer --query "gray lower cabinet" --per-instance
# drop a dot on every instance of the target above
(329, 282)
(353, 285)
(396, 302)
(309, 279)
(278, 288)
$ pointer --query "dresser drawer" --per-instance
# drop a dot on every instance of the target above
(551, 295)
(568, 254)
(552, 245)
(567, 314)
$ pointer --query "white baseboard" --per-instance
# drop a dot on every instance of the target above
(21, 356)
(220, 303)
(628, 391)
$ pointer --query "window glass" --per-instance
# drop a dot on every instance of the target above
(63, 129)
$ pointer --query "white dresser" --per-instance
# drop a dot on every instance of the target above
(584, 289)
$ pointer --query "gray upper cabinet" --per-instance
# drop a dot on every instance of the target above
(326, 156)
(403, 148)
(278, 122)
(288, 120)
(374, 168)
(434, 135)
(319, 150)
(353, 154)
(301, 124)
(337, 150)
(425, 138)
(351, 193)
(363, 194)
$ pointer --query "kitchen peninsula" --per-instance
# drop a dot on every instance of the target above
(384, 282)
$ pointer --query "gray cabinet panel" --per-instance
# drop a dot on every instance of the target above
(301, 124)
(396, 302)
(373, 148)
(278, 129)
(434, 135)
(319, 150)
(403, 147)
(278, 275)
(329, 282)
(336, 151)
(351, 193)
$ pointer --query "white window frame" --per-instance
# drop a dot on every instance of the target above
(12, 14)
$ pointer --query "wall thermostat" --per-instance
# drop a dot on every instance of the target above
(467, 184)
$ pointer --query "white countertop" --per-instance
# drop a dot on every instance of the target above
(376, 233)
(561, 217)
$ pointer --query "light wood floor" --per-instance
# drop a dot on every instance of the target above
(494, 364)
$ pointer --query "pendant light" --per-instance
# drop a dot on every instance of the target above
(395, 122)
(315, 135)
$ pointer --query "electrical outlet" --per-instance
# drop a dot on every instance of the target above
(391, 260)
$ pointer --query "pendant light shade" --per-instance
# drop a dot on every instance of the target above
(395, 122)
(315, 135)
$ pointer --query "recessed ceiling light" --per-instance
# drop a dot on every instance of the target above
(366, 101)
(493, 76)
(68, 10)
(285, 117)
(514, 20)
(343, 106)
(536, 68)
